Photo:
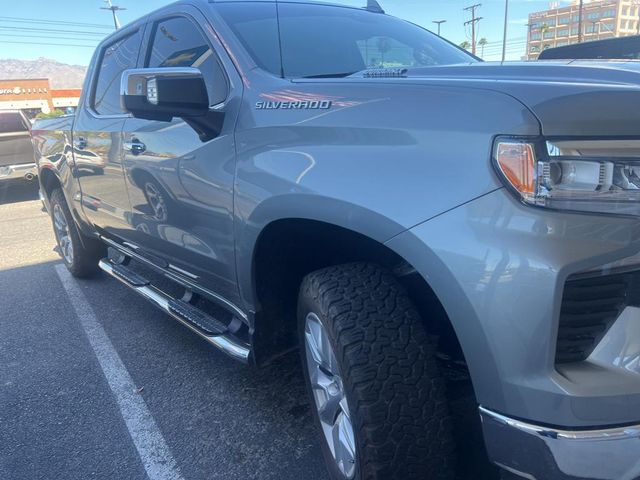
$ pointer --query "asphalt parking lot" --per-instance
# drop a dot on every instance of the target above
(199, 414)
(95, 383)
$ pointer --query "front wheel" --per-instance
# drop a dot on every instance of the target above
(80, 255)
(377, 396)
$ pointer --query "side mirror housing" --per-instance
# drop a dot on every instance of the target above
(164, 93)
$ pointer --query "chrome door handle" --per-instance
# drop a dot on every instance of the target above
(136, 147)
(80, 143)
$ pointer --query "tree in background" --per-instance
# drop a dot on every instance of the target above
(544, 28)
(482, 42)
(466, 45)
(384, 45)
(53, 114)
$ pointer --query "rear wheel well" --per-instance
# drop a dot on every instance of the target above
(287, 250)
(49, 182)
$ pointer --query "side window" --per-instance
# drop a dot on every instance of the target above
(178, 42)
(115, 59)
(385, 52)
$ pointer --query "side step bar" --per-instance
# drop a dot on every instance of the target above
(209, 328)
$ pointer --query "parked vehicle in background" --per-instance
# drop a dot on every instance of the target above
(444, 239)
(621, 48)
(17, 160)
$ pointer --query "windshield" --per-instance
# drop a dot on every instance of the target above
(322, 41)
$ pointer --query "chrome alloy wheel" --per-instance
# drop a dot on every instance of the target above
(63, 235)
(329, 395)
(156, 201)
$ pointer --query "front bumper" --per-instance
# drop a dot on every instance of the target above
(505, 274)
(536, 452)
(27, 171)
(500, 268)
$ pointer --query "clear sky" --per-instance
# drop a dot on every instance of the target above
(27, 31)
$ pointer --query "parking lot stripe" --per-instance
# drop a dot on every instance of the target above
(149, 442)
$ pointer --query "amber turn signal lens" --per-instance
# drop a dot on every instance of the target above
(518, 164)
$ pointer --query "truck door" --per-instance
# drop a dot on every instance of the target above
(181, 187)
(97, 135)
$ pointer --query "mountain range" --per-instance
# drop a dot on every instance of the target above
(60, 75)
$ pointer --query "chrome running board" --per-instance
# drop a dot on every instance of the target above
(207, 327)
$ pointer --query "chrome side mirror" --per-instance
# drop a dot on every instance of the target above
(164, 93)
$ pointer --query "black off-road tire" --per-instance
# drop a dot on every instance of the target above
(395, 393)
(86, 251)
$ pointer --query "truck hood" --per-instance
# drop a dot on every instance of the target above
(576, 98)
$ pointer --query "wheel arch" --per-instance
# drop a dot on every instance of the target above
(49, 181)
(289, 248)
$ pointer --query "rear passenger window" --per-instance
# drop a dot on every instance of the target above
(115, 59)
(11, 122)
(178, 42)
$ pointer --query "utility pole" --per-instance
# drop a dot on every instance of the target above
(472, 22)
(439, 22)
(529, 27)
(580, 22)
(504, 35)
(114, 9)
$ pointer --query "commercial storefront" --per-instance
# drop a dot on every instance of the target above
(35, 95)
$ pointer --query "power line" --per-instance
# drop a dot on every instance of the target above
(52, 22)
(511, 47)
(13, 35)
(51, 30)
(47, 43)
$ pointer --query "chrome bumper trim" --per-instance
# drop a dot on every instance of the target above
(26, 171)
(161, 300)
(535, 452)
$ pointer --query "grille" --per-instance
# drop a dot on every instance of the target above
(589, 307)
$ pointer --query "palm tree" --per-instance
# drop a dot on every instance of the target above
(466, 45)
(544, 28)
(482, 42)
(384, 45)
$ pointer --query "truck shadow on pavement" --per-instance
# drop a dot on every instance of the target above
(221, 419)
(18, 191)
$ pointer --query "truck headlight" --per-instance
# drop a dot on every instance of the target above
(601, 176)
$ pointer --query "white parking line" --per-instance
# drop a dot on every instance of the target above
(149, 442)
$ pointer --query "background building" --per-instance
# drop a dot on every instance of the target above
(34, 96)
(600, 19)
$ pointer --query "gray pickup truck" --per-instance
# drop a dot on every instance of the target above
(16, 150)
(431, 231)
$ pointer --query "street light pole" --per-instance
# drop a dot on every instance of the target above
(504, 35)
(439, 22)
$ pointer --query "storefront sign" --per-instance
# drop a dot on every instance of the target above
(21, 91)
